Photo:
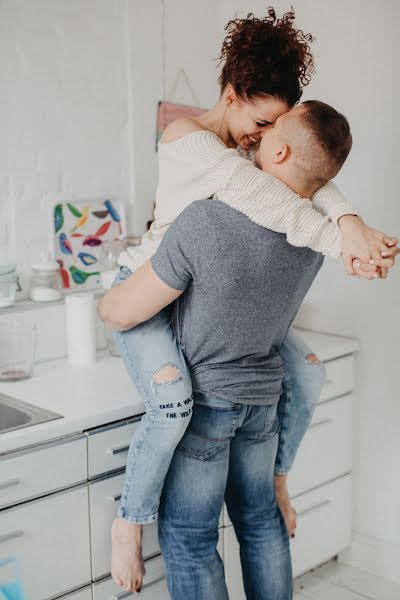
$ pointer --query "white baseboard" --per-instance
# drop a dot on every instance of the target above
(374, 556)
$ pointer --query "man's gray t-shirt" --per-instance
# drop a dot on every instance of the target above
(243, 286)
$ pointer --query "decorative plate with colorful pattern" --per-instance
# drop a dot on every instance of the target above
(80, 229)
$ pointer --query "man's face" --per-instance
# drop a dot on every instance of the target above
(277, 136)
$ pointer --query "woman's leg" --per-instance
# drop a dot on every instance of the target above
(304, 378)
(157, 367)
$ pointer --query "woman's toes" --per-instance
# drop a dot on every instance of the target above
(117, 580)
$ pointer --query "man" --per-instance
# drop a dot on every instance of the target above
(238, 287)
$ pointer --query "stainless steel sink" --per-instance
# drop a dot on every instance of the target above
(16, 414)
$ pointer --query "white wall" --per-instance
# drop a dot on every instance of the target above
(357, 50)
(80, 83)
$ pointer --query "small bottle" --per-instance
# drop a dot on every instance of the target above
(46, 281)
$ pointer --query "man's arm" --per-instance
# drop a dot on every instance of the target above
(136, 299)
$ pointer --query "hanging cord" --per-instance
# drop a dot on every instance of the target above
(182, 75)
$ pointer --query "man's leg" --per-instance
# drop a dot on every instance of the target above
(192, 500)
(250, 498)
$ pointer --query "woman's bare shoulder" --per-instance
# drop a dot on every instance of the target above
(179, 128)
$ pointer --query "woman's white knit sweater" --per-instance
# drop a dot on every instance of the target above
(199, 165)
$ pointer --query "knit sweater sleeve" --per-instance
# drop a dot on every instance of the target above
(263, 198)
(330, 201)
(270, 203)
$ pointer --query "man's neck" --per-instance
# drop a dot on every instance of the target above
(305, 189)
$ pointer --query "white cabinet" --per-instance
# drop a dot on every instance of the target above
(42, 469)
(339, 377)
(108, 447)
(50, 537)
(326, 450)
(323, 524)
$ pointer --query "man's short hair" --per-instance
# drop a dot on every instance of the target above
(331, 131)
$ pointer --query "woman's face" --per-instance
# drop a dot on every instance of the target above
(248, 120)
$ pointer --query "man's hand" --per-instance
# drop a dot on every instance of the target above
(136, 299)
(374, 250)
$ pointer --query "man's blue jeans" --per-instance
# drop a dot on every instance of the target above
(228, 452)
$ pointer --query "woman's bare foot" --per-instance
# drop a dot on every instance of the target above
(127, 566)
(287, 509)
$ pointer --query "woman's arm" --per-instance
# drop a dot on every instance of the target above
(263, 198)
(331, 203)
(270, 203)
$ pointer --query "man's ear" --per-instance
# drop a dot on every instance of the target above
(282, 153)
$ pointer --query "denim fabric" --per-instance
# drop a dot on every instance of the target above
(145, 349)
(301, 390)
(228, 452)
(151, 345)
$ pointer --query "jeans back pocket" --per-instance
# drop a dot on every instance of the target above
(210, 430)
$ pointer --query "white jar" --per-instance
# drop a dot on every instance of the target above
(46, 281)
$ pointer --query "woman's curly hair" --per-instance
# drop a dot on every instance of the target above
(266, 56)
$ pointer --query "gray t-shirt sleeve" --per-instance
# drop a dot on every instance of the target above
(181, 256)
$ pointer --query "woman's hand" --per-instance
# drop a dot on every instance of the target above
(372, 247)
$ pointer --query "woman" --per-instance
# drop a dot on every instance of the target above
(267, 61)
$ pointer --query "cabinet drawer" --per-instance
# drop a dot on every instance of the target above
(326, 450)
(108, 448)
(323, 524)
(339, 377)
(104, 498)
(50, 537)
(39, 470)
(154, 585)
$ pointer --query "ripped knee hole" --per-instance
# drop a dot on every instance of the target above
(167, 374)
(312, 358)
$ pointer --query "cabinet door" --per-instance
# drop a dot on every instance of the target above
(323, 524)
(50, 538)
(104, 498)
(233, 568)
(326, 450)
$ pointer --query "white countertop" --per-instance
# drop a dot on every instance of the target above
(95, 395)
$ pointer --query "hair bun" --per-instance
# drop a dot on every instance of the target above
(266, 56)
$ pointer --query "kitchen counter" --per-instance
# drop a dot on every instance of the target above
(93, 395)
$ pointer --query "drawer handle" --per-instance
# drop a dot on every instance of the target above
(114, 498)
(9, 483)
(122, 595)
(118, 450)
(11, 535)
(314, 507)
(320, 422)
